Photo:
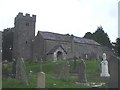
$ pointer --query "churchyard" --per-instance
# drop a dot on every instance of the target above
(59, 74)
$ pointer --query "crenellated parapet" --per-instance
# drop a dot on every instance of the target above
(25, 17)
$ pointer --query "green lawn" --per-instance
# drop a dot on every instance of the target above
(93, 75)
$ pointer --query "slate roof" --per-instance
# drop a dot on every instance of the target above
(85, 40)
(66, 37)
(54, 36)
(55, 48)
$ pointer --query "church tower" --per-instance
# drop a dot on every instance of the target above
(24, 32)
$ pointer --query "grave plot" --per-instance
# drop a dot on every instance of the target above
(58, 75)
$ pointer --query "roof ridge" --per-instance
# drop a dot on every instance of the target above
(52, 32)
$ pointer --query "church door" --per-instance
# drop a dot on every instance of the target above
(59, 55)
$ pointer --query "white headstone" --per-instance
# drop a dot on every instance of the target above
(86, 56)
(104, 67)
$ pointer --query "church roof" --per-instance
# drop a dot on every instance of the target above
(66, 37)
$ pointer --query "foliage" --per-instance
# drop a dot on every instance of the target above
(117, 46)
(88, 35)
(99, 36)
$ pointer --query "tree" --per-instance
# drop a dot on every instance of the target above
(7, 44)
(88, 35)
(99, 36)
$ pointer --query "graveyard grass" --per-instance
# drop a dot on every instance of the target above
(93, 75)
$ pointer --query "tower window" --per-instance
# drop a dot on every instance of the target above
(27, 24)
(26, 42)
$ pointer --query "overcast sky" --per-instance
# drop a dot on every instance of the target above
(64, 16)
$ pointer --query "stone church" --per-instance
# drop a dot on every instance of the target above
(49, 45)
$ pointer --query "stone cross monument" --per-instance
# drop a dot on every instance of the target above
(104, 67)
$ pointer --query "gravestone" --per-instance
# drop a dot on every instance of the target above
(64, 74)
(75, 64)
(114, 69)
(20, 71)
(104, 67)
(61, 71)
(41, 80)
(14, 68)
(56, 70)
(82, 71)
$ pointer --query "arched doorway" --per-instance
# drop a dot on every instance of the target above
(59, 55)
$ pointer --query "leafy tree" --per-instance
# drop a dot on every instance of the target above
(88, 35)
(7, 44)
(99, 36)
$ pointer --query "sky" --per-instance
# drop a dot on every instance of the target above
(64, 16)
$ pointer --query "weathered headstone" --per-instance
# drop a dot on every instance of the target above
(64, 74)
(82, 71)
(104, 67)
(114, 69)
(20, 71)
(73, 65)
(41, 80)
(61, 71)
(56, 70)
(14, 68)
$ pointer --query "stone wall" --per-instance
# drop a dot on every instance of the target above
(51, 43)
(38, 47)
(93, 51)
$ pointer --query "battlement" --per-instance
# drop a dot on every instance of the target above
(26, 16)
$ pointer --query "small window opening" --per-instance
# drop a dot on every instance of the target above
(26, 42)
(27, 24)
